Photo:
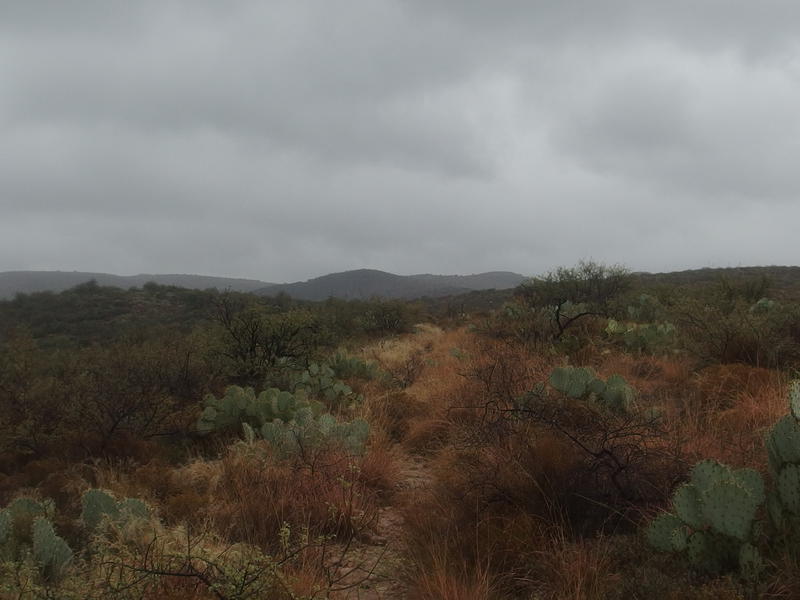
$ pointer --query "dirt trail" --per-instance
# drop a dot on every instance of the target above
(379, 557)
(430, 349)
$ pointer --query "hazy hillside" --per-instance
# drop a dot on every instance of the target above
(781, 278)
(367, 283)
(493, 280)
(26, 282)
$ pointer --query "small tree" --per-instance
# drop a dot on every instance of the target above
(571, 293)
(258, 340)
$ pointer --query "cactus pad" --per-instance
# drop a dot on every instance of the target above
(51, 552)
(688, 506)
(659, 533)
(730, 508)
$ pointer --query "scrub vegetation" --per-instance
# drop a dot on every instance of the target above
(591, 434)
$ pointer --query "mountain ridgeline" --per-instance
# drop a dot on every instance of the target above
(363, 284)
(358, 284)
(28, 282)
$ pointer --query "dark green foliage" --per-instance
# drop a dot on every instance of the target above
(728, 324)
(351, 367)
(260, 343)
(87, 401)
(570, 294)
(90, 313)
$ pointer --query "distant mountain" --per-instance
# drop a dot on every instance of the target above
(14, 282)
(368, 283)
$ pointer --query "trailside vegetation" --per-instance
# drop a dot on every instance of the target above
(593, 434)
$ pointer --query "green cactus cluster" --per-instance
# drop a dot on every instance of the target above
(51, 553)
(646, 308)
(642, 337)
(713, 523)
(583, 383)
(783, 452)
(99, 504)
(764, 306)
(25, 525)
(715, 519)
(307, 432)
(320, 381)
(352, 367)
(242, 405)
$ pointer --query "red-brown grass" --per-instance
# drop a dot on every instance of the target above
(256, 494)
(729, 423)
(485, 511)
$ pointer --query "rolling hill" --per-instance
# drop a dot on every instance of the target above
(358, 284)
(368, 283)
(26, 282)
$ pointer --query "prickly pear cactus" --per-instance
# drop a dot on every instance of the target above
(241, 405)
(98, 504)
(51, 553)
(617, 394)
(642, 337)
(24, 527)
(783, 452)
(716, 511)
(22, 512)
(133, 508)
(320, 381)
(6, 534)
(714, 520)
(574, 382)
(308, 432)
(348, 367)
(582, 383)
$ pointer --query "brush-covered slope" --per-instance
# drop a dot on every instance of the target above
(368, 283)
(26, 282)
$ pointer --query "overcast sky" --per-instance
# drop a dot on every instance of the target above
(281, 140)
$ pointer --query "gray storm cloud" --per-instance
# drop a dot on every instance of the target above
(285, 139)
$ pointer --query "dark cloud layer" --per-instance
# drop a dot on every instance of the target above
(290, 138)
